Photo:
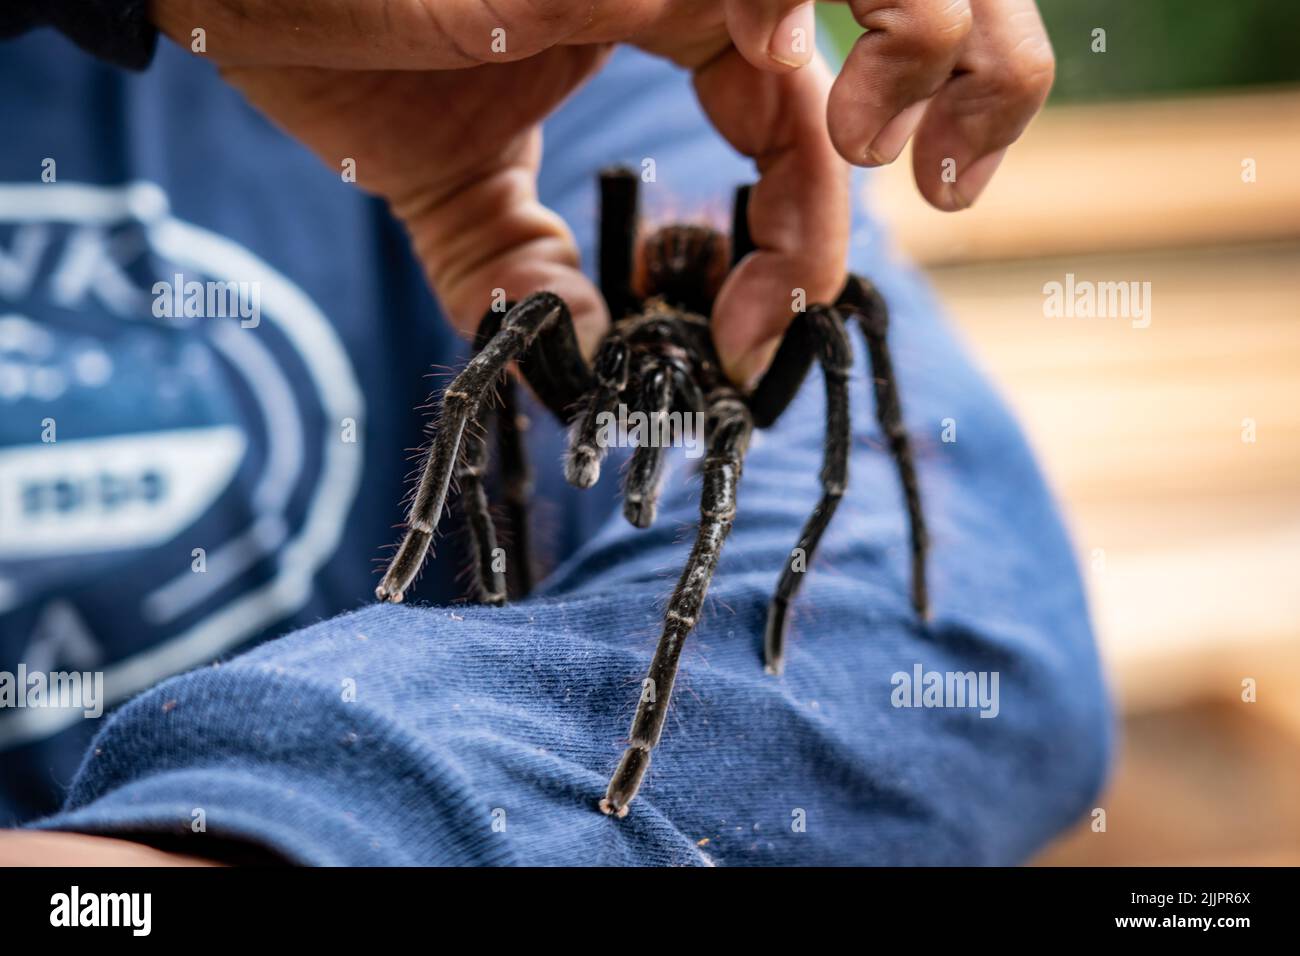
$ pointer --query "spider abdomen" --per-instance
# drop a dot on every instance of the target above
(684, 265)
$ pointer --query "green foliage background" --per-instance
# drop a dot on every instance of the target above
(1153, 47)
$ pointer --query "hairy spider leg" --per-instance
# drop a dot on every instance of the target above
(617, 241)
(586, 450)
(516, 488)
(835, 354)
(489, 582)
(553, 366)
(742, 242)
(642, 483)
(861, 298)
(785, 376)
(516, 485)
(688, 391)
(794, 356)
(729, 427)
(461, 402)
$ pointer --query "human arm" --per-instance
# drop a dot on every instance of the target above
(438, 105)
(462, 712)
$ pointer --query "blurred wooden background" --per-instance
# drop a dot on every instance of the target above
(1188, 534)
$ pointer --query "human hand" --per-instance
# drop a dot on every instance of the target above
(439, 104)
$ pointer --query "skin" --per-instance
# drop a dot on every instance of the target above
(390, 83)
(30, 848)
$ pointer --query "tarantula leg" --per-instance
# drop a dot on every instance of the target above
(555, 370)
(645, 471)
(664, 387)
(688, 391)
(515, 478)
(729, 429)
(586, 446)
(489, 582)
(618, 222)
(785, 376)
(516, 487)
(836, 357)
(460, 402)
(742, 243)
(862, 298)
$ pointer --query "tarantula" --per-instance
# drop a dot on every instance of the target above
(657, 357)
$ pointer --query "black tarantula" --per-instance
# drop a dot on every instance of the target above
(658, 357)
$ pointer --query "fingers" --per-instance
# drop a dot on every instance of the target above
(473, 212)
(450, 34)
(485, 238)
(906, 55)
(798, 211)
(964, 77)
(1005, 74)
(394, 34)
(492, 241)
(773, 34)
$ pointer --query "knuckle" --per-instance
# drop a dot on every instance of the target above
(563, 16)
(937, 31)
(824, 279)
(1029, 72)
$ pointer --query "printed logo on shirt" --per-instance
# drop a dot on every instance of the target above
(180, 441)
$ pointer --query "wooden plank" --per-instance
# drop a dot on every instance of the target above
(1189, 536)
(1118, 176)
(1216, 785)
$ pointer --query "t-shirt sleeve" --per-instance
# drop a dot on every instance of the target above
(486, 735)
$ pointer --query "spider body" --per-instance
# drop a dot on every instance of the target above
(658, 358)
(683, 265)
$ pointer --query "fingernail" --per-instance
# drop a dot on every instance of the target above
(750, 366)
(893, 136)
(971, 183)
(794, 37)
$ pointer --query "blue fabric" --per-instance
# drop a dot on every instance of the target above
(461, 714)
(170, 165)
(487, 735)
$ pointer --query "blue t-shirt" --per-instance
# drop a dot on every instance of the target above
(278, 440)
(215, 482)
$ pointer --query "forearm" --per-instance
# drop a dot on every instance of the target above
(36, 848)
(481, 735)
